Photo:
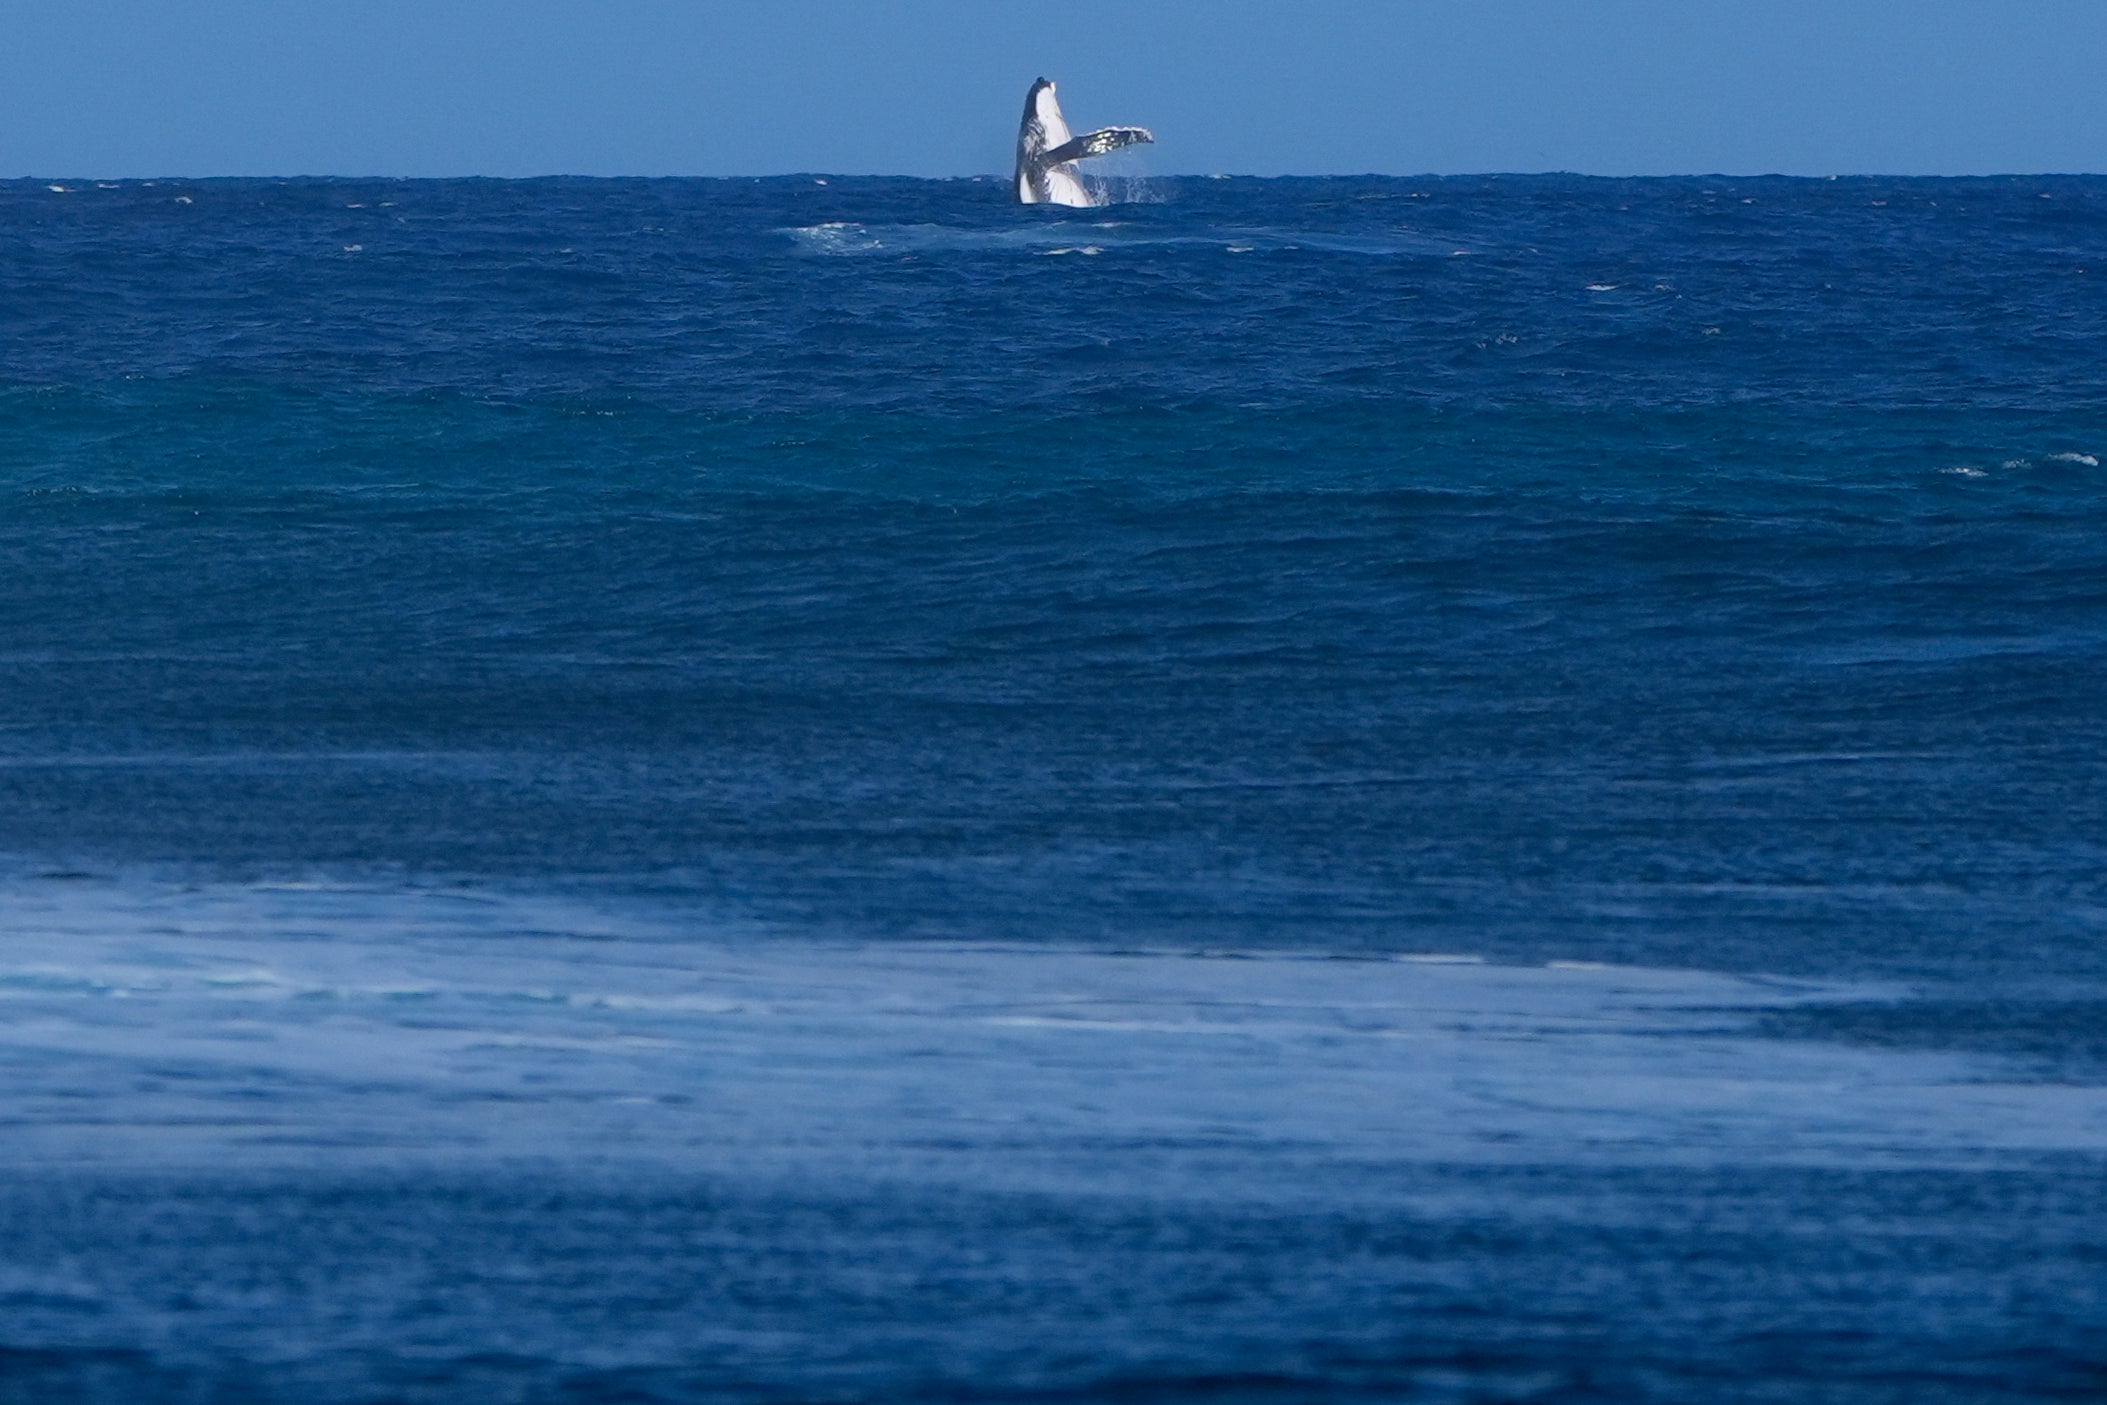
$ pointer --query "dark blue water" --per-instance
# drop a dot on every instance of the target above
(469, 645)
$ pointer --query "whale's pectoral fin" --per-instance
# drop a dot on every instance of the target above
(1098, 143)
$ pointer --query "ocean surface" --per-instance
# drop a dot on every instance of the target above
(834, 790)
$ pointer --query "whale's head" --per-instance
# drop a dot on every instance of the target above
(1041, 102)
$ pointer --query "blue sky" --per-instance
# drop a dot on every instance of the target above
(933, 87)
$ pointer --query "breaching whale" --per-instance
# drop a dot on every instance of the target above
(1047, 153)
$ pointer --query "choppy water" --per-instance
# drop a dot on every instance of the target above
(778, 790)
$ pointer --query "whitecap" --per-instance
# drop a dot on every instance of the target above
(835, 237)
(2089, 460)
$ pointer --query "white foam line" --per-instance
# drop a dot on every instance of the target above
(143, 1024)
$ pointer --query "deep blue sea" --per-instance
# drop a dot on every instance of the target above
(835, 790)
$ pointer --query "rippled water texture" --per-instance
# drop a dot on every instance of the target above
(1468, 789)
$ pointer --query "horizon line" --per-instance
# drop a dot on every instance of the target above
(823, 177)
